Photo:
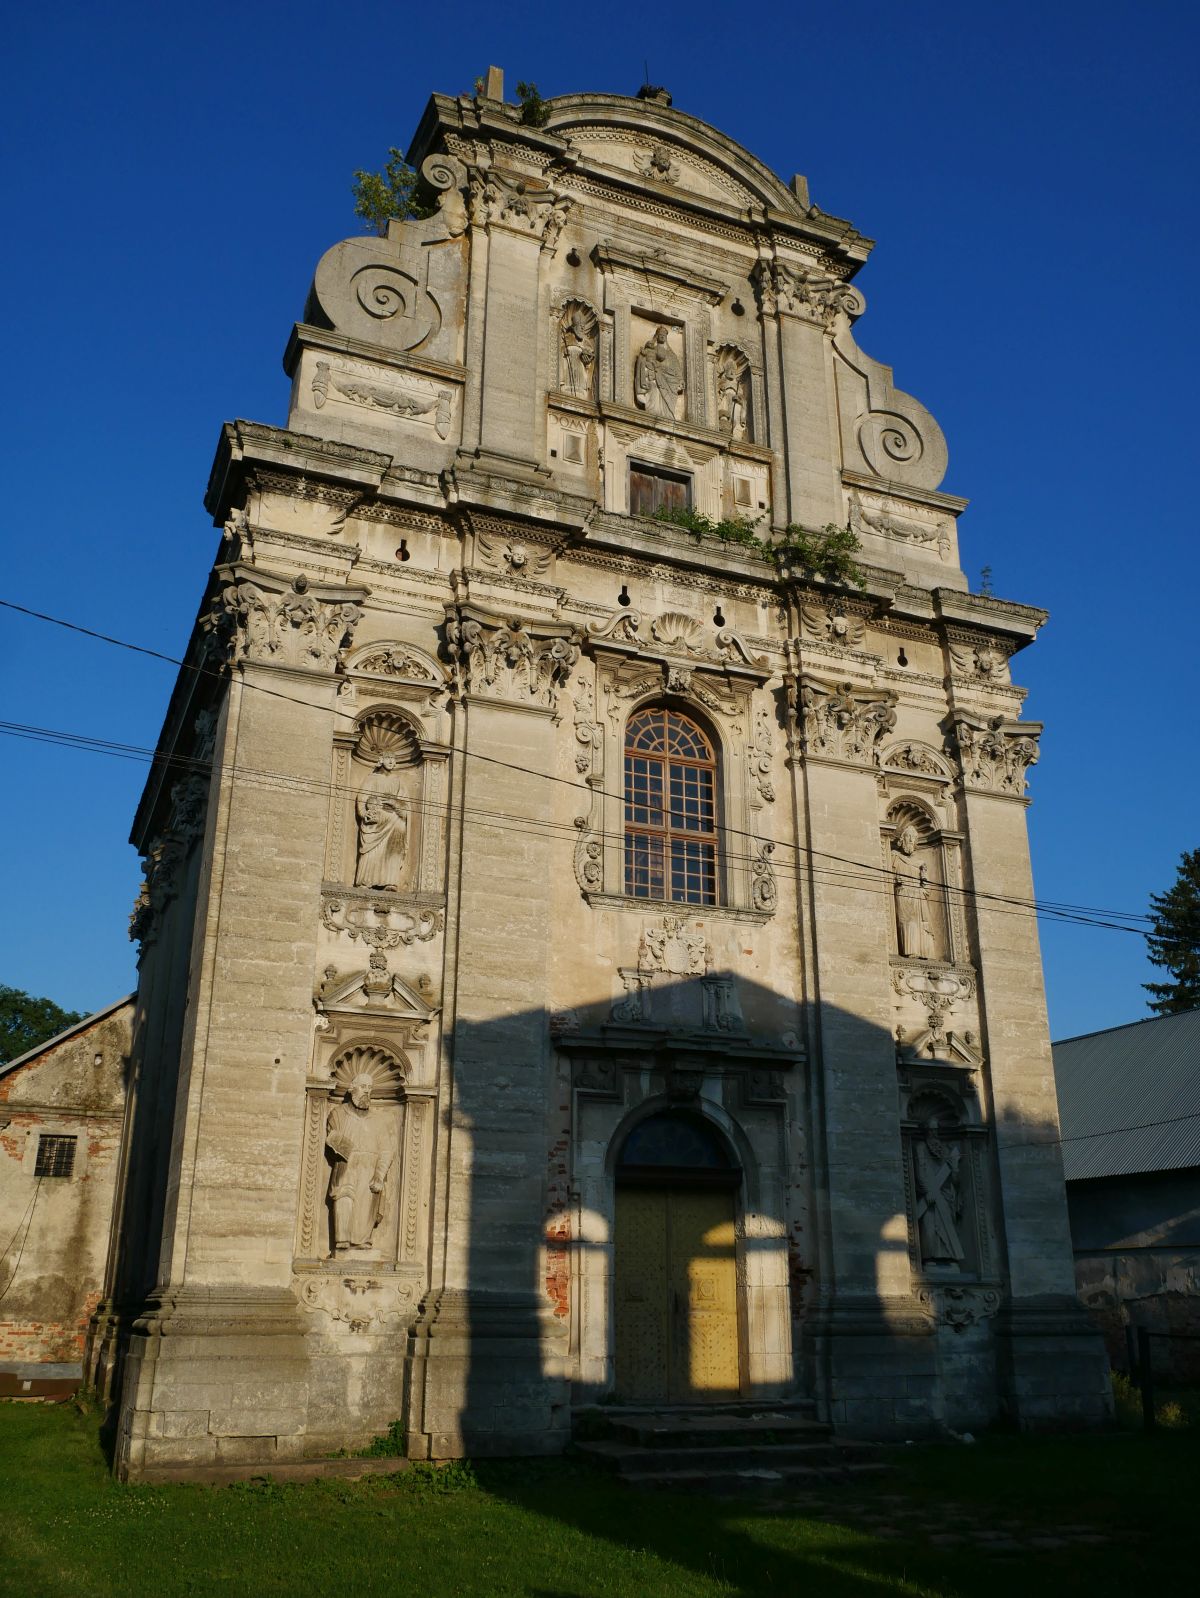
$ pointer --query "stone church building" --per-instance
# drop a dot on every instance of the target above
(585, 944)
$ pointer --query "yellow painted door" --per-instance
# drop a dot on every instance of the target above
(676, 1295)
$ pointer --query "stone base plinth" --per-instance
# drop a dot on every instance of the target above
(875, 1368)
(483, 1378)
(1053, 1365)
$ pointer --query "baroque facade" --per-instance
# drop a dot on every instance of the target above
(583, 956)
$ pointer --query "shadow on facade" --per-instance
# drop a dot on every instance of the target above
(696, 1192)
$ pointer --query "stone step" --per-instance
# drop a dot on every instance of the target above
(758, 1478)
(660, 1430)
(629, 1460)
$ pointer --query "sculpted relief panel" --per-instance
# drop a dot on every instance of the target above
(658, 373)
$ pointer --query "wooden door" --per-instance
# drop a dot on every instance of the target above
(676, 1295)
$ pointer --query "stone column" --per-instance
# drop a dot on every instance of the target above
(809, 404)
(1052, 1360)
(875, 1363)
(482, 1342)
(216, 1367)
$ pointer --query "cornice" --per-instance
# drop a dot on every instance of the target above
(305, 336)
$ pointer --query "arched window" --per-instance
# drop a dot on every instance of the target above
(670, 809)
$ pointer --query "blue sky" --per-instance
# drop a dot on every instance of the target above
(172, 175)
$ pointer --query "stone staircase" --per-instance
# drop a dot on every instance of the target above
(721, 1447)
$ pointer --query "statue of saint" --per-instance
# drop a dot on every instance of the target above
(939, 1199)
(362, 1161)
(657, 377)
(578, 354)
(382, 816)
(731, 397)
(913, 921)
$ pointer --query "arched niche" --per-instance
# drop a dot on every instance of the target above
(388, 805)
(945, 1166)
(734, 394)
(576, 350)
(922, 861)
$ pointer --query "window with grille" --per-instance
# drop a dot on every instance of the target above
(670, 809)
(55, 1155)
(651, 489)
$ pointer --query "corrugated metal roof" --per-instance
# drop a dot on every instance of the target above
(1129, 1098)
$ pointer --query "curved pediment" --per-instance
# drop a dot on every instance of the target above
(666, 149)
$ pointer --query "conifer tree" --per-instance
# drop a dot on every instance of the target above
(1174, 942)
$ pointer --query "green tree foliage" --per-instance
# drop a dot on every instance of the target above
(393, 194)
(1174, 942)
(828, 554)
(535, 113)
(25, 1022)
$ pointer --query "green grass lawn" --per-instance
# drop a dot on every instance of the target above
(1115, 1514)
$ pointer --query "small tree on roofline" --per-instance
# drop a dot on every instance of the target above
(1174, 942)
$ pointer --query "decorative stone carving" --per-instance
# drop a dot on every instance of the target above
(577, 367)
(299, 625)
(673, 947)
(832, 625)
(524, 204)
(382, 816)
(731, 650)
(914, 924)
(361, 1303)
(996, 753)
(658, 165)
(398, 660)
(589, 857)
(722, 1011)
(363, 1156)
(761, 754)
(513, 556)
(731, 372)
(412, 398)
(800, 290)
(384, 924)
(939, 1200)
(960, 1306)
(633, 1007)
(885, 522)
(844, 722)
(916, 757)
(621, 625)
(764, 894)
(979, 659)
(587, 731)
(679, 633)
(940, 988)
(508, 659)
(658, 377)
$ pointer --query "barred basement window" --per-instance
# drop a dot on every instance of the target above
(670, 809)
(55, 1155)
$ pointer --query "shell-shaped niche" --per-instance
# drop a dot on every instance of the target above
(674, 630)
(384, 734)
(386, 1071)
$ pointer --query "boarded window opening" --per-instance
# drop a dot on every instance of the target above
(55, 1155)
(651, 489)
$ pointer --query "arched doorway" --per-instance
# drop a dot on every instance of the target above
(676, 1300)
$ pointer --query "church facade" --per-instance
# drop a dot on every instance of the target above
(585, 948)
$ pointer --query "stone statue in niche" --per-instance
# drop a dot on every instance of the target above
(382, 816)
(578, 370)
(939, 1200)
(914, 922)
(658, 377)
(731, 395)
(362, 1162)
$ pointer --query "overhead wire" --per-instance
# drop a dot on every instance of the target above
(1113, 920)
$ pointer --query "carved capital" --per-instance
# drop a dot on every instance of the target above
(804, 292)
(260, 616)
(996, 753)
(841, 722)
(512, 659)
(520, 203)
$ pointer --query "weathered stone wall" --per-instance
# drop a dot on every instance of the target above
(56, 1228)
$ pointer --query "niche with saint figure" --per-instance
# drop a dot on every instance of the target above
(944, 1176)
(918, 883)
(731, 374)
(578, 349)
(358, 1120)
(659, 387)
(385, 793)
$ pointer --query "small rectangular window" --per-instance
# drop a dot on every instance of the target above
(651, 489)
(742, 492)
(573, 448)
(55, 1155)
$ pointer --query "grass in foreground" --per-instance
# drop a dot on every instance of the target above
(557, 1530)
